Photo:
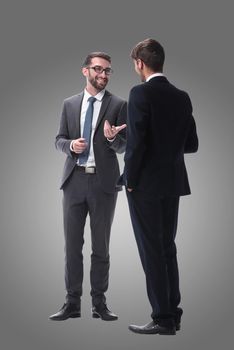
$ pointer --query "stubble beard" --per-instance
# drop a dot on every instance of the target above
(98, 83)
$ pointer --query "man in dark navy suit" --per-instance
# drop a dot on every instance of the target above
(160, 130)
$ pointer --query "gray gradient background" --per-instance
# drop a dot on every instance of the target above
(43, 44)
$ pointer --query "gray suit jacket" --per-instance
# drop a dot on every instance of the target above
(114, 110)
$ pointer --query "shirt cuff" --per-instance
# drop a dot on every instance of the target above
(111, 140)
(71, 144)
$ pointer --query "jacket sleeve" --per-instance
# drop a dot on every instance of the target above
(62, 140)
(119, 144)
(137, 125)
(191, 142)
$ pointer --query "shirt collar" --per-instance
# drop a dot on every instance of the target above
(99, 95)
(155, 75)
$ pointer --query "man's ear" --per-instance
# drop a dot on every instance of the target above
(140, 64)
(85, 71)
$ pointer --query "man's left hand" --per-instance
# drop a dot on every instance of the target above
(111, 131)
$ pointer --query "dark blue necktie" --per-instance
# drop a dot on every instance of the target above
(87, 130)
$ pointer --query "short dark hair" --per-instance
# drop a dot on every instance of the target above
(91, 55)
(151, 53)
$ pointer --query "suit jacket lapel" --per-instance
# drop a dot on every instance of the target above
(77, 108)
(105, 103)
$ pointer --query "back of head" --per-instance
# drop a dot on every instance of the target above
(151, 53)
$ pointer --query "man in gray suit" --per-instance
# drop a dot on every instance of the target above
(92, 130)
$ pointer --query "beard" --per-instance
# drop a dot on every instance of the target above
(98, 83)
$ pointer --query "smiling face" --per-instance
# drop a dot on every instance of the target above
(96, 81)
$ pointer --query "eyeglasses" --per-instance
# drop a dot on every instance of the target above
(99, 70)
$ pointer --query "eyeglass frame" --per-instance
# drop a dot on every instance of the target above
(107, 69)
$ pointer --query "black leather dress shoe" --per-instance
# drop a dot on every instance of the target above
(101, 311)
(67, 311)
(153, 328)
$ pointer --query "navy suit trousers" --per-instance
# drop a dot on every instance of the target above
(154, 222)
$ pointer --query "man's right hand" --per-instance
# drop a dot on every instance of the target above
(79, 145)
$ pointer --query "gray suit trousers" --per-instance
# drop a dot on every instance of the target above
(82, 195)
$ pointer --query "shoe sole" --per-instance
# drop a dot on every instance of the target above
(75, 316)
(96, 315)
(64, 319)
(152, 332)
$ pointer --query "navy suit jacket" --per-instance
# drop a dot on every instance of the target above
(160, 130)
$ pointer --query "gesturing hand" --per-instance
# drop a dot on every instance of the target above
(79, 145)
(111, 131)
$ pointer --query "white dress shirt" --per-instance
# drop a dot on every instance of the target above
(155, 75)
